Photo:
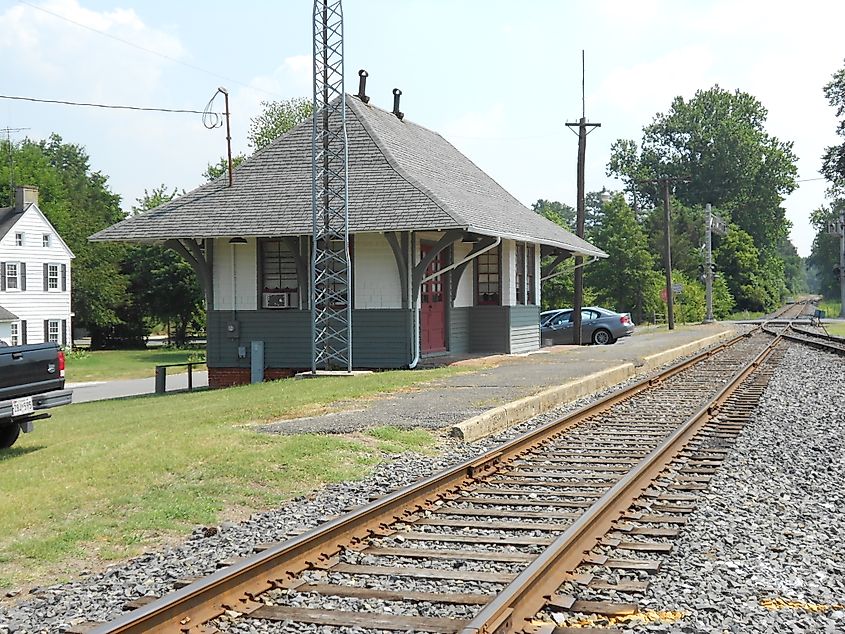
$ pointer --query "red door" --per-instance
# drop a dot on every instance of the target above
(432, 306)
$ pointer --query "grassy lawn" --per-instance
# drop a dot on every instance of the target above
(108, 365)
(108, 480)
(835, 328)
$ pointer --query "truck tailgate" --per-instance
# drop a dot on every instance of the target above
(29, 369)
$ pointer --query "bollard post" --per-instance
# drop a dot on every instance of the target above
(161, 378)
(190, 376)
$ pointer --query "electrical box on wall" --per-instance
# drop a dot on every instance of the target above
(233, 329)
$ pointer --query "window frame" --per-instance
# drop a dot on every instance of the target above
(48, 335)
(58, 277)
(266, 246)
(17, 277)
(19, 238)
(45, 240)
(491, 257)
(15, 333)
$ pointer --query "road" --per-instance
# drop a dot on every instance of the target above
(103, 390)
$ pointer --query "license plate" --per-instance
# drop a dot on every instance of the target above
(22, 406)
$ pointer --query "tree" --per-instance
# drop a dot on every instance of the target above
(221, 167)
(833, 160)
(559, 213)
(825, 252)
(277, 118)
(164, 286)
(626, 279)
(78, 202)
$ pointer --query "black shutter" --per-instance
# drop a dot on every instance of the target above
(23, 331)
(23, 276)
(64, 277)
(64, 329)
(46, 330)
(2, 276)
(46, 273)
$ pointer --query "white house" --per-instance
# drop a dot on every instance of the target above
(34, 275)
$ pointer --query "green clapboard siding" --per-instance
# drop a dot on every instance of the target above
(459, 320)
(524, 328)
(488, 329)
(380, 338)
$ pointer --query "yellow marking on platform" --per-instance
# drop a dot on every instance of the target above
(775, 604)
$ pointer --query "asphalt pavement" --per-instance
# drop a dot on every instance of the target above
(103, 390)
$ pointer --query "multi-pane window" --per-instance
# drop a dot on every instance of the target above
(53, 329)
(487, 278)
(52, 277)
(524, 274)
(45, 240)
(12, 274)
(280, 283)
(19, 239)
(15, 334)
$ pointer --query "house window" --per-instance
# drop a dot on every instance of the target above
(520, 273)
(15, 334)
(12, 274)
(53, 327)
(45, 240)
(530, 264)
(18, 239)
(280, 283)
(52, 277)
(487, 278)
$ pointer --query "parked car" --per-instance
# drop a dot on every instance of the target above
(598, 325)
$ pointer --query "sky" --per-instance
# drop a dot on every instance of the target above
(499, 79)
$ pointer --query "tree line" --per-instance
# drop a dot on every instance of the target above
(715, 148)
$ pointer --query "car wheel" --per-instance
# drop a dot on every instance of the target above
(602, 337)
(9, 434)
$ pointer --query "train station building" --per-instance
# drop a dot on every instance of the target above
(417, 206)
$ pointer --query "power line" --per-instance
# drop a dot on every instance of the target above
(103, 105)
(145, 49)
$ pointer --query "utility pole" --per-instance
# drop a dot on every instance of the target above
(839, 230)
(708, 267)
(580, 210)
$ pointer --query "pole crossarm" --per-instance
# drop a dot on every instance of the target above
(331, 293)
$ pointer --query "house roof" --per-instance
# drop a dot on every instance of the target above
(9, 217)
(402, 177)
(6, 315)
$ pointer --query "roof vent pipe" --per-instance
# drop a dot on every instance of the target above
(396, 94)
(362, 85)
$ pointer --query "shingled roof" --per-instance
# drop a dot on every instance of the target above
(402, 177)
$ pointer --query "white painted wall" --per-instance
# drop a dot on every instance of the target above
(375, 276)
(537, 285)
(508, 272)
(35, 304)
(242, 279)
(464, 296)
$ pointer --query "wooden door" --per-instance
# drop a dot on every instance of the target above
(433, 306)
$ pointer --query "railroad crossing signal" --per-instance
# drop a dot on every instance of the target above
(836, 228)
(718, 226)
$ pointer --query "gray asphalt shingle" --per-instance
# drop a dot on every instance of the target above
(402, 177)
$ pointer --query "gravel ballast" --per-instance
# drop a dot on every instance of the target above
(812, 441)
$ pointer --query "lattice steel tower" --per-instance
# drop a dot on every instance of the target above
(331, 305)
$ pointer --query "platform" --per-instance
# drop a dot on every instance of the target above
(502, 390)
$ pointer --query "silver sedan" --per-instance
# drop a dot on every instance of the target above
(599, 325)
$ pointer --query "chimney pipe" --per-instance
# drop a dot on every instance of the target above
(24, 195)
(396, 94)
(362, 85)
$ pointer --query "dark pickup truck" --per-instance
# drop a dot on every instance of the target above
(32, 379)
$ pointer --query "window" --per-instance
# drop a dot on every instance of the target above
(524, 274)
(280, 282)
(12, 275)
(45, 240)
(15, 334)
(52, 277)
(18, 239)
(487, 278)
(53, 331)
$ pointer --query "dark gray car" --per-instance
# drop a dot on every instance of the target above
(598, 325)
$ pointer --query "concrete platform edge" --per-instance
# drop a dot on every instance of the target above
(510, 414)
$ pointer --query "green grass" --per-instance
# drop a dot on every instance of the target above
(830, 307)
(744, 315)
(107, 365)
(110, 479)
(837, 329)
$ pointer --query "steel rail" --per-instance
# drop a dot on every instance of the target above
(526, 595)
(237, 586)
(828, 343)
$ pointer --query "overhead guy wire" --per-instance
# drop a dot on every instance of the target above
(107, 106)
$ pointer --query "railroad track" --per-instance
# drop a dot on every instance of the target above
(814, 338)
(486, 545)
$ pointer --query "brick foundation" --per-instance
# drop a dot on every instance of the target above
(227, 377)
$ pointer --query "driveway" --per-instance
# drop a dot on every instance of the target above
(103, 390)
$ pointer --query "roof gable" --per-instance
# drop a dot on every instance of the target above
(10, 217)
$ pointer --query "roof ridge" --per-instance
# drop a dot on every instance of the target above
(391, 160)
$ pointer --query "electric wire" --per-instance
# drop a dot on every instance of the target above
(108, 106)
